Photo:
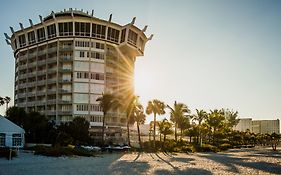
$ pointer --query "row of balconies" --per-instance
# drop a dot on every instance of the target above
(42, 103)
(44, 71)
(43, 93)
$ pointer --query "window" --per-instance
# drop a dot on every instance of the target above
(17, 140)
(132, 37)
(51, 29)
(113, 34)
(2, 139)
(82, 75)
(82, 44)
(123, 34)
(65, 29)
(96, 118)
(79, 75)
(82, 29)
(31, 37)
(98, 31)
(82, 54)
(41, 34)
(99, 46)
(22, 40)
(97, 76)
(97, 55)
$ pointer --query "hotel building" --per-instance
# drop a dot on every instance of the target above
(67, 60)
(258, 126)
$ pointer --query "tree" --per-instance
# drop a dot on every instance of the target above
(165, 128)
(177, 114)
(16, 115)
(231, 118)
(184, 124)
(2, 101)
(139, 117)
(215, 120)
(130, 107)
(200, 116)
(107, 102)
(156, 107)
(7, 101)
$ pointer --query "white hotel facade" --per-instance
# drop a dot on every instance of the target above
(65, 62)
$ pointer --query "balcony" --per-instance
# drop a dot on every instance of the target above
(41, 62)
(65, 70)
(66, 48)
(41, 52)
(66, 59)
(31, 94)
(52, 60)
(32, 64)
(52, 70)
(64, 102)
(51, 92)
(22, 67)
(21, 95)
(41, 82)
(32, 55)
(52, 50)
(31, 84)
(41, 72)
(51, 81)
(65, 81)
(63, 91)
(22, 76)
(22, 86)
(50, 112)
(51, 102)
(31, 74)
(41, 93)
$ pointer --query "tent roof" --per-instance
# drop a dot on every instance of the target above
(8, 126)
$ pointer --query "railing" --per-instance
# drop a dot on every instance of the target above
(51, 81)
(52, 60)
(66, 59)
(41, 82)
(66, 48)
(42, 52)
(52, 49)
(41, 62)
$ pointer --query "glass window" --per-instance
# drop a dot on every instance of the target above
(82, 29)
(22, 40)
(41, 34)
(51, 29)
(31, 37)
(132, 37)
(123, 34)
(113, 34)
(2, 139)
(98, 31)
(65, 29)
(17, 140)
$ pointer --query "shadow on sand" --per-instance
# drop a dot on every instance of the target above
(231, 162)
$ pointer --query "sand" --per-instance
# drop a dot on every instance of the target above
(245, 161)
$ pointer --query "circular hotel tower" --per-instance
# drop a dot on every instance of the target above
(65, 62)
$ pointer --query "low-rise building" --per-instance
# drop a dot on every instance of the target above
(11, 135)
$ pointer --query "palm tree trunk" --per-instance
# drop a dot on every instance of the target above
(128, 132)
(138, 126)
(154, 130)
(103, 123)
(176, 135)
(6, 106)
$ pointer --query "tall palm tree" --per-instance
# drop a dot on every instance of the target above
(200, 116)
(7, 101)
(139, 117)
(156, 107)
(178, 112)
(215, 120)
(107, 102)
(130, 107)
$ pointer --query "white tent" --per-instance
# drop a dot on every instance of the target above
(11, 135)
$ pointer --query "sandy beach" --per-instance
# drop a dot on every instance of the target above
(244, 161)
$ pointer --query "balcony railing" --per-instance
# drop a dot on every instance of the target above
(66, 48)
(52, 50)
(51, 60)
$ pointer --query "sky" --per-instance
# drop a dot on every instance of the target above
(206, 54)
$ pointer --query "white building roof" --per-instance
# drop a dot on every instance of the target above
(6, 126)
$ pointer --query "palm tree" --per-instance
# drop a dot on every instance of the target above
(200, 116)
(130, 107)
(7, 101)
(215, 121)
(107, 102)
(156, 107)
(139, 117)
(2, 101)
(178, 112)
(165, 128)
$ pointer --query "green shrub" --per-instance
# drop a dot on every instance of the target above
(225, 146)
(61, 151)
(5, 152)
(208, 148)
